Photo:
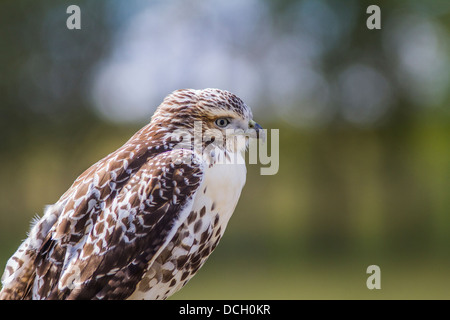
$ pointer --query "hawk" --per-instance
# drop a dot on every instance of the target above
(139, 223)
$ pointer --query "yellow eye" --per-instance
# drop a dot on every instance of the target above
(222, 122)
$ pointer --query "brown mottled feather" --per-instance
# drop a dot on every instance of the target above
(114, 223)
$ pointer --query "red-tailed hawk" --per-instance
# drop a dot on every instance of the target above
(139, 223)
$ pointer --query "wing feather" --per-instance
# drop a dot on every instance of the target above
(97, 240)
(129, 233)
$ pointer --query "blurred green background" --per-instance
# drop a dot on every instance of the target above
(364, 120)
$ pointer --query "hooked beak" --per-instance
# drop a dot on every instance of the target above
(260, 134)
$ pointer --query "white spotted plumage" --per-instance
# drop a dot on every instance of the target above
(137, 224)
(218, 193)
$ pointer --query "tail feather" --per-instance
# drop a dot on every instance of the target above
(19, 274)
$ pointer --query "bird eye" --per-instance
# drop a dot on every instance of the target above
(222, 122)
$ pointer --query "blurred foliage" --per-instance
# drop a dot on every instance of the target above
(346, 195)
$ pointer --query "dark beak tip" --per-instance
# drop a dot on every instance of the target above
(260, 134)
(258, 126)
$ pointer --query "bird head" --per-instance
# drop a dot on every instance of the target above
(219, 116)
